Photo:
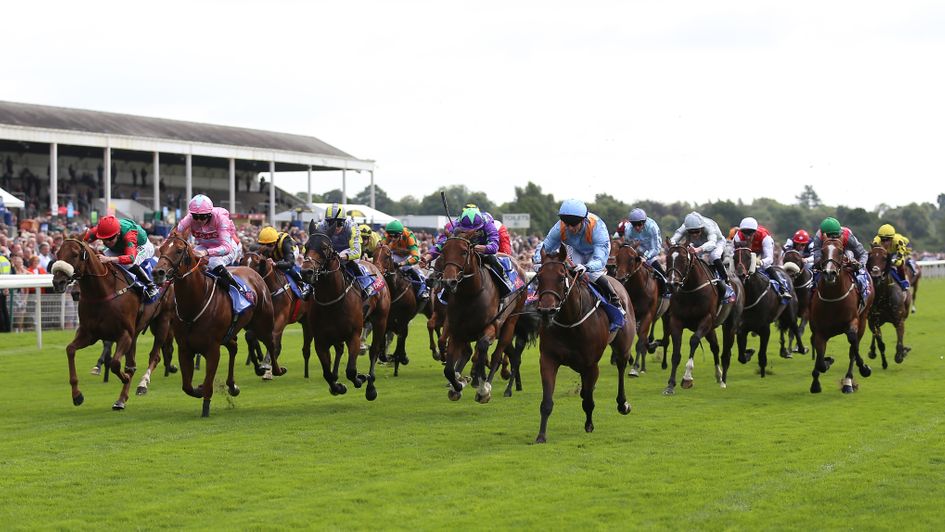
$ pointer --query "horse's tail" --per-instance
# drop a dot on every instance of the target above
(526, 328)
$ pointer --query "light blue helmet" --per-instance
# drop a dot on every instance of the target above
(637, 215)
(573, 207)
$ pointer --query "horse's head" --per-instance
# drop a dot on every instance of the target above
(319, 258)
(679, 260)
(744, 261)
(831, 259)
(555, 283)
(456, 261)
(877, 262)
(258, 262)
(627, 260)
(73, 260)
(792, 256)
(175, 255)
(384, 259)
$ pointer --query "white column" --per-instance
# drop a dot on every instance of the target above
(188, 178)
(372, 190)
(308, 199)
(344, 186)
(108, 178)
(54, 178)
(272, 193)
(156, 176)
(38, 316)
(232, 185)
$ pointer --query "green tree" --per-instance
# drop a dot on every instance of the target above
(457, 196)
(542, 208)
(610, 209)
(808, 198)
(382, 201)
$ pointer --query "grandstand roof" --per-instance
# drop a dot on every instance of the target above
(43, 123)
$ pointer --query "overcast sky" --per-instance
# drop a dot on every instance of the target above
(695, 100)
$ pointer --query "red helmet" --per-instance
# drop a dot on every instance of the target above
(622, 227)
(801, 237)
(107, 227)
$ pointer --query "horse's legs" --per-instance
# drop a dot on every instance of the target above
(306, 344)
(742, 340)
(331, 377)
(185, 358)
(720, 375)
(690, 363)
(665, 340)
(351, 369)
(378, 344)
(588, 382)
(764, 336)
(821, 363)
(639, 363)
(549, 372)
(154, 358)
(877, 341)
(105, 359)
(455, 354)
(213, 360)
(231, 387)
(623, 406)
(675, 331)
(80, 341)
(900, 336)
(124, 347)
(167, 350)
(400, 352)
(515, 360)
(339, 352)
(431, 326)
(848, 378)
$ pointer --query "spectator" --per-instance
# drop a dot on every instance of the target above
(45, 256)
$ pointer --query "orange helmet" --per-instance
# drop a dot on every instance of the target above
(107, 227)
(801, 237)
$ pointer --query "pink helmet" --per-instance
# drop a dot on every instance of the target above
(200, 204)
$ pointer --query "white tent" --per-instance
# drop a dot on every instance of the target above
(361, 214)
(10, 201)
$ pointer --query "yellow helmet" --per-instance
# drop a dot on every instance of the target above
(335, 212)
(365, 229)
(887, 231)
(268, 235)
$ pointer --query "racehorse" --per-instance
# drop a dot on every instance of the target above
(109, 310)
(891, 305)
(476, 313)
(637, 277)
(696, 305)
(762, 307)
(204, 318)
(575, 332)
(286, 308)
(338, 313)
(404, 304)
(834, 310)
(803, 279)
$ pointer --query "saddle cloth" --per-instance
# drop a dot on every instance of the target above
(147, 266)
(239, 303)
(614, 314)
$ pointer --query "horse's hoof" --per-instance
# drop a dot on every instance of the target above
(119, 405)
(454, 395)
(338, 389)
(382, 358)
(198, 391)
(686, 384)
(404, 360)
(233, 391)
(623, 408)
(815, 387)
(483, 399)
(865, 371)
(141, 390)
(829, 361)
(282, 371)
(588, 427)
(371, 393)
(260, 371)
(267, 376)
(723, 385)
(786, 354)
(885, 364)
(540, 439)
(505, 373)
(172, 369)
(633, 372)
(669, 391)
(900, 357)
(507, 393)
(871, 354)
(651, 348)
(847, 388)
(78, 400)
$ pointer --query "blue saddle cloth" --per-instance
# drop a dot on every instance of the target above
(416, 279)
(147, 266)
(511, 280)
(239, 303)
(903, 283)
(729, 291)
(614, 314)
(292, 284)
(775, 285)
(369, 283)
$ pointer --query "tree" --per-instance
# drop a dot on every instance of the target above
(382, 201)
(610, 209)
(456, 196)
(332, 196)
(541, 208)
(808, 198)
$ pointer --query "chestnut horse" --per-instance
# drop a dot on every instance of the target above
(404, 304)
(338, 312)
(204, 316)
(762, 307)
(286, 308)
(476, 313)
(835, 309)
(891, 305)
(637, 277)
(695, 305)
(109, 310)
(803, 279)
(574, 333)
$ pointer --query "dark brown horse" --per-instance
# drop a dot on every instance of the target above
(287, 308)
(204, 318)
(836, 309)
(891, 305)
(637, 277)
(109, 310)
(575, 332)
(476, 313)
(803, 279)
(404, 304)
(696, 306)
(762, 307)
(338, 313)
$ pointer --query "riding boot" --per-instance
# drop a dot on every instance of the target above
(150, 290)
(221, 272)
(660, 278)
(607, 291)
(902, 275)
(304, 287)
(493, 262)
(723, 275)
(782, 283)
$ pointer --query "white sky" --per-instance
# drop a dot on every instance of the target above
(695, 100)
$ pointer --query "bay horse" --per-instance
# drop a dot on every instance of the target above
(834, 310)
(109, 310)
(575, 332)
(803, 279)
(695, 305)
(204, 318)
(287, 308)
(476, 313)
(337, 314)
(891, 305)
(762, 307)
(404, 304)
(648, 305)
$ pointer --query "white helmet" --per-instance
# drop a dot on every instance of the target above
(749, 224)
(693, 221)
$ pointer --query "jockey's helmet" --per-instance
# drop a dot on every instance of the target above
(107, 227)
(200, 204)
(572, 211)
(748, 224)
(471, 219)
(801, 237)
(637, 216)
(335, 212)
(885, 231)
(365, 229)
(693, 222)
(830, 226)
(268, 235)
(394, 227)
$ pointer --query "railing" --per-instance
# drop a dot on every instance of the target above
(932, 268)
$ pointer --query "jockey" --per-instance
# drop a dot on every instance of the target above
(705, 236)
(127, 244)
(621, 230)
(646, 233)
(369, 240)
(831, 228)
(405, 253)
(505, 243)
(216, 236)
(800, 242)
(344, 236)
(757, 238)
(588, 243)
(899, 249)
(281, 248)
(486, 239)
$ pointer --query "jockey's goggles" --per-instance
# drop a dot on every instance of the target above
(694, 231)
(336, 223)
(748, 232)
(833, 235)
(571, 220)
(637, 224)
(394, 235)
(201, 216)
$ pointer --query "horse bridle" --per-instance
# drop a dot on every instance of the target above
(569, 284)
(83, 260)
(462, 267)
(321, 269)
(171, 273)
(682, 276)
(824, 260)
(634, 271)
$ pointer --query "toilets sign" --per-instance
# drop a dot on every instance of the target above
(516, 220)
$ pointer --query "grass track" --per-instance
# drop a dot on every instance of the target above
(761, 454)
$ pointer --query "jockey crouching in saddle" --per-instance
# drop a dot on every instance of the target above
(645, 233)
(281, 248)
(899, 250)
(705, 237)
(588, 243)
(801, 243)
(831, 228)
(369, 240)
(757, 238)
(127, 244)
(485, 242)
(345, 239)
(405, 252)
(215, 236)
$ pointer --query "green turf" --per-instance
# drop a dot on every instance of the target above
(762, 454)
